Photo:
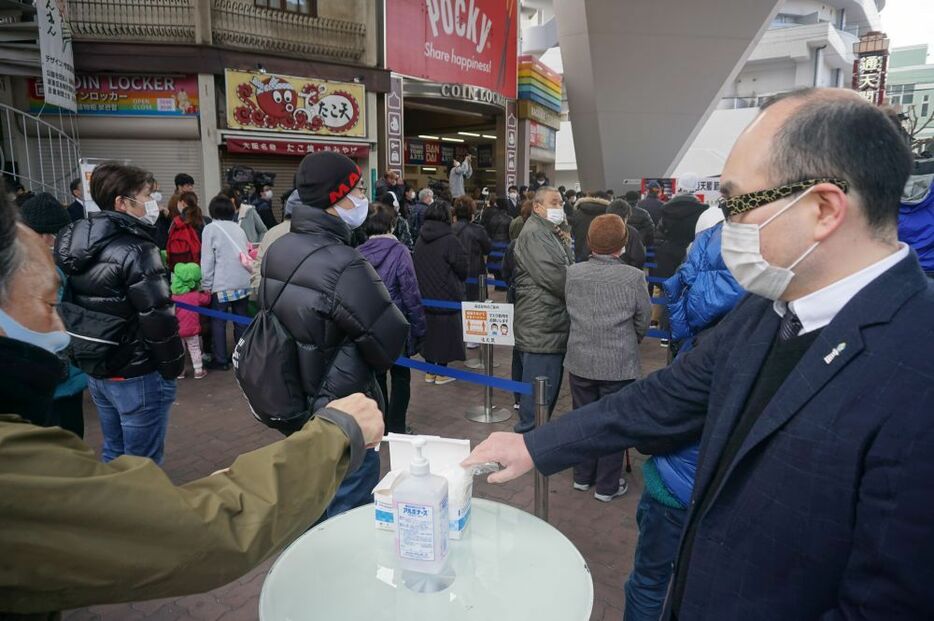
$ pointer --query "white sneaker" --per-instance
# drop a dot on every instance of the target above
(430, 378)
(515, 406)
(581, 487)
(473, 345)
(623, 488)
(441, 380)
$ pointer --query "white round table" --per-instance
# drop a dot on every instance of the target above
(509, 565)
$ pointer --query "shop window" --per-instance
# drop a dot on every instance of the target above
(901, 93)
(302, 7)
(924, 105)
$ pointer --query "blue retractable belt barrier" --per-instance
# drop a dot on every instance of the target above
(494, 267)
(650, 265)
(660, 300)
(650, 253)
(474, 378)
(489, 281)
(656, 279)
(446, 304)
(498, 253)
(658, 334)
(207, 312)
(502, 245)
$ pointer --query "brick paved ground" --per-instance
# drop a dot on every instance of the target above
(210, 425)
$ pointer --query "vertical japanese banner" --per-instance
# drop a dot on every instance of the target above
(58, 65)
(871, 66)
(395, 129)
(512, 143)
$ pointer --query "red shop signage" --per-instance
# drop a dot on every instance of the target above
(290, 147)
(456, 41)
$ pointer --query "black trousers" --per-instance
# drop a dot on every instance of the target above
(397, 402)
(606, 471)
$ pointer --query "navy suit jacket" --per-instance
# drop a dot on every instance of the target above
(827, 510)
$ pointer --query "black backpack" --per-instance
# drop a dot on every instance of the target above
(266, 367)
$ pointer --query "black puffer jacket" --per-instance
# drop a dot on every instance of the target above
(334, 305)
(441, 264)
(585, 210)
(675, 232)
(496, 221)
(114, 268)
(476, 242)
(640, 219)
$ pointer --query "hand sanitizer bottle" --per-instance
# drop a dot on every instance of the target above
(420, 502)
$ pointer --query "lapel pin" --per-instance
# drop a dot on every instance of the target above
(834, 353)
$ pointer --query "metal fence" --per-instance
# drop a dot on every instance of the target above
(41, 155)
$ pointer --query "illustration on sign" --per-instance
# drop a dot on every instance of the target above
(487, 323)
(57, 57)
(292, 104)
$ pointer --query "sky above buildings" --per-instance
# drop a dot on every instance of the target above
(909, 22)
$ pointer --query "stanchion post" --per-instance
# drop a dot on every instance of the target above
(541, 417)
(485, 413)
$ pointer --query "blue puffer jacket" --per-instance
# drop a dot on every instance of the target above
(916, 227)
(699, 294)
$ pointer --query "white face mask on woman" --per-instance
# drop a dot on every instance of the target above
(741, 249)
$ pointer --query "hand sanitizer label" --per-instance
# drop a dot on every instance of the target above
(415, 529)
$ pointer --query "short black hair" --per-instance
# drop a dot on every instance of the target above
(511, 188)
(110, 180)
(221, 208)
(183, 179)
(439, 211)
(562, 189)
(570, 194)
(632, 196)
(621, 208)
(381, 220)
(75, 184)
(847, 138)
(601, 194)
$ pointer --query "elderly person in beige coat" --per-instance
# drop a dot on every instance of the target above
(609, 306)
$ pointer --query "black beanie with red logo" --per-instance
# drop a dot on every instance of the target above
(325, 178)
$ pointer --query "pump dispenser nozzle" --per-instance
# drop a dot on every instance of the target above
(419, 466)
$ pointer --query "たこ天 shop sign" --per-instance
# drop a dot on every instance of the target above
(284, 103)
(456, 41)
(127, 95)
(487, 323)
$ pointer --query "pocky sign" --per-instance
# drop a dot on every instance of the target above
(456, 41)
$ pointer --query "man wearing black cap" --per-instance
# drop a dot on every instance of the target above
(652, 202)
(332, 302)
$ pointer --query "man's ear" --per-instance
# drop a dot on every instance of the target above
(833, 207)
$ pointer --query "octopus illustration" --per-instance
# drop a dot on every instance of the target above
(273, 103)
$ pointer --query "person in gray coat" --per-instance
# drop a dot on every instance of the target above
(460, 172)
(542, 254)
(609, 307)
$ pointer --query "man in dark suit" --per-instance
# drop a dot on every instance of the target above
(812, 400)
(76, 208)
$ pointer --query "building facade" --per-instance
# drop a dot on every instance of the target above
(910, 87)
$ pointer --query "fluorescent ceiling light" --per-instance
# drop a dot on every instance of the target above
(427, 137)
(446, 139)
(428, 169)
(489, 136)
(471, 134)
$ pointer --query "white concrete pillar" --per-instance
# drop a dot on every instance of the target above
(210, 138)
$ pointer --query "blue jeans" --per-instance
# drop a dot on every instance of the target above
(534, 365)
(134, 414)
(357, 488)
(659, 534)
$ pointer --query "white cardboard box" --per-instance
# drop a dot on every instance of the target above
(444, 456)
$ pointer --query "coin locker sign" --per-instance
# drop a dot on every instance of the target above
(487, 323)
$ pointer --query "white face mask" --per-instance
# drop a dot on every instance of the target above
(156, 196)
(267, 195)
(152, 210)
(355, 217)
(513, 195)
(741, 250)
(555, 216)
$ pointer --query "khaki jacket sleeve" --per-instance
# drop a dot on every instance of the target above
(77, 532)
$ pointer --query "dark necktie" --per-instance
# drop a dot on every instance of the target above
(790, 326)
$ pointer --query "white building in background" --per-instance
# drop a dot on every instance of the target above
(808, 43)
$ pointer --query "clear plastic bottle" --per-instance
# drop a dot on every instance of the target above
(420, 503)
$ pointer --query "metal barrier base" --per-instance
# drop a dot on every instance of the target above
(479, 414)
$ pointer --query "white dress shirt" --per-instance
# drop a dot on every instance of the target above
(818, 309)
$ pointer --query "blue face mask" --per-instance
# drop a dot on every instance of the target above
(52, 342)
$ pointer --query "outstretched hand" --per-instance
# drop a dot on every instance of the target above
(507, 449)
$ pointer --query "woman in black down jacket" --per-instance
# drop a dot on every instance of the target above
(473, 237)
(441, 268)
(332, 302)
(118, 308)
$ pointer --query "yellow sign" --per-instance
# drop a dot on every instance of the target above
(283, 103)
